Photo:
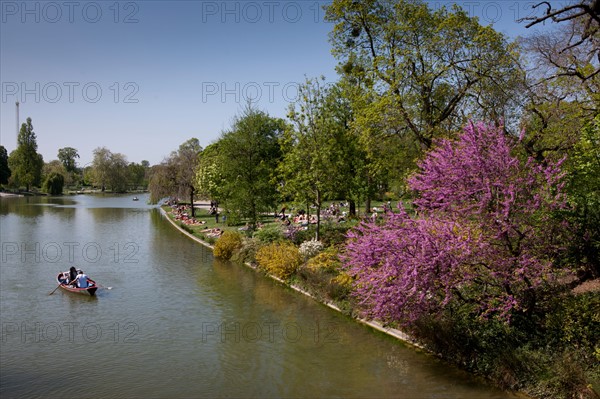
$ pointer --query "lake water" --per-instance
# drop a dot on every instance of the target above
(173, 322)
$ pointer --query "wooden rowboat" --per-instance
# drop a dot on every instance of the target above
(90, 290)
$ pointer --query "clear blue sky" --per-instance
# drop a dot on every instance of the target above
(142, 77)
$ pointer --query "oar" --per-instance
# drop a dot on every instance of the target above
(100, 286)
(54, 289)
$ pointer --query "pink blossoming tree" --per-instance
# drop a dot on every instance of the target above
(484, 233)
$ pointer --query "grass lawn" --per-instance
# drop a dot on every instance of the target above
(206, 221)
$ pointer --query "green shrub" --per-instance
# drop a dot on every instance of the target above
(54, 183)
(575, 322)
(301, 236)
(322, 275)
(333, 234)
(227, 244)
(269, 234)
(390, 196)
(340, 286)
(247, 252)
(279, 259)
(232, 218)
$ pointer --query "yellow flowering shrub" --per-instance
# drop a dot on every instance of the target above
(227, 244)
(327, 261)
(280, 259)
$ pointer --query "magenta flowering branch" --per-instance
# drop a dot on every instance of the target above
(484, 233)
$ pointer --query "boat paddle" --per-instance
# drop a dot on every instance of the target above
(54, 289)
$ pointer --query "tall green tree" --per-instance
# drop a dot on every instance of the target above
(138, 173)
(110, 170)
(67, 156)
(562, 91)
(54, 183)
(185, 162)
(386, 156)
(4, 169)
(431, 70)
(25, 162)
(208, 176)
(176, 174)
(101, 167)
(584, 189)
(248, 156)
(119, 177)
(319, 153)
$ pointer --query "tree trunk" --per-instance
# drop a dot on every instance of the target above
(352, 206)
(192, 200)
(307, 210)
(318, 235)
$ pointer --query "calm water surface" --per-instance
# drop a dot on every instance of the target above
(176, 322)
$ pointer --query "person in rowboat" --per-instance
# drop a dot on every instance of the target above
(72, 275)
(81, 280)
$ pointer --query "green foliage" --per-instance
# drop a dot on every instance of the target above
(54, 183)
(584, 189)
(552, 355)
(137, 175)
(279, 259)
(334, 234)
(176, 175)
(321, 154)
(269, 234)
(244, 165)
(4, 169)
(340, 286)
(575, 324)
(300, 236)
(247, 252)
(425, 69)
(67, 156)
(228, 244)
(322, 274)
(24, 162)
(232, 218)
(110, 170)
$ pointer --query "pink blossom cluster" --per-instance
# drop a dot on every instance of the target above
(484, 232)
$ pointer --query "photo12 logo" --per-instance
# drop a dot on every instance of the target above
(71, 12)
(491, 12)
(242, 92)
(71, 92)
(53, 252)
(69, 331)
(253, 12)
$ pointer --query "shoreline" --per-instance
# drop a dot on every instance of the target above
(395, 333)
(391, 332)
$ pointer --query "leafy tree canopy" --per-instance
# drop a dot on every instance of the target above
(25, 162)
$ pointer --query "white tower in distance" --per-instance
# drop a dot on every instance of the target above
(17, 104)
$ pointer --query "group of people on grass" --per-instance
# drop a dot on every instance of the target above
(180, 213)
(332, 212)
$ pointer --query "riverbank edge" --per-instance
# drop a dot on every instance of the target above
(400, 335)
(392, 332)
